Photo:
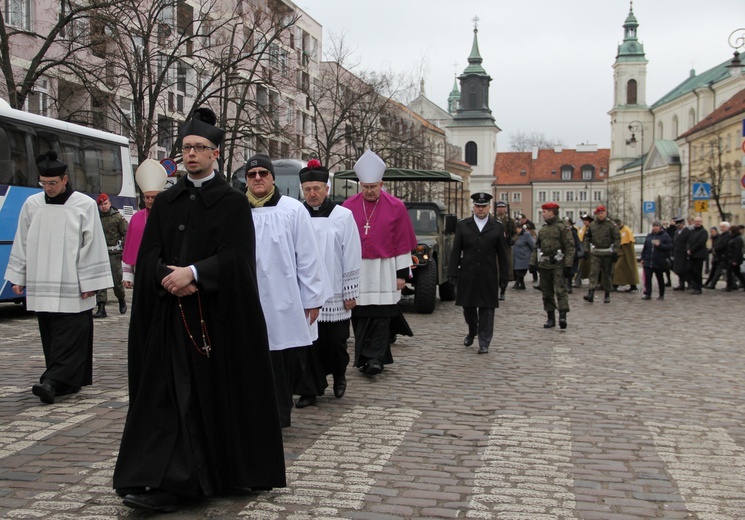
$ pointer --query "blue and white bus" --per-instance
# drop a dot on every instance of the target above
(97, 162)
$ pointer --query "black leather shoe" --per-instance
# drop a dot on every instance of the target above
(153, 500)
(122, 306)
(483, 350)
(646, 297)
(123, 492)
(305, 401)
(562, 320)
(468, 341)
(340, 386)
(501, 295)
(606, 299)
(45, 392)
(374, 368)
(679, 288)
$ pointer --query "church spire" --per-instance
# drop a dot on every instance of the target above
(474, 59)
(630, 49)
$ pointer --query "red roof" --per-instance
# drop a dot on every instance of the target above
(519, 168)
(733, 107)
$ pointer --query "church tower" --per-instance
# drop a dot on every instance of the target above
(473, 128)
(630, 99)
(454, 98)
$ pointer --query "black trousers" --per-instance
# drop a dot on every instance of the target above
(480, 321)
(327, 355)
(287, 368)
(734, 273)
(67, 340)
(660, 275)
(695, 272)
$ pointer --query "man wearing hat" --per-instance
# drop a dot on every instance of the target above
(387, 238)
(508, 224)
(553, 256)
(339, 244)
(478, 259)
(583, 269)
(59, 256)
(114, 229)
(680, 253)
(151, 177)
(292, 279)
(202, 418)
(602, 241)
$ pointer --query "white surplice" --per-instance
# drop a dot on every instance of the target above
(290, 273)
(339, 244)
(59, 251)
(378, 280)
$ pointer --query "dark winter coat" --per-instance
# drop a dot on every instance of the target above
(478, 259)
(653, 257)
(721, 246)
(522, 250)
(735, 249)
(200, 425)
(696, 243)
(680, 254)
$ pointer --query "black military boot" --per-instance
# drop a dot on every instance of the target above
(569, 286)
(562, 319)
(122, 306)
(607, 297)
(551, 321)
(101, 311)
(590, 296)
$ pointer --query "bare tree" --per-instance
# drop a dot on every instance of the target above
(525, 141)
(711, 168)
(46, 48)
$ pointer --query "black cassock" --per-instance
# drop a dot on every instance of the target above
(198, 425)
(477, 259)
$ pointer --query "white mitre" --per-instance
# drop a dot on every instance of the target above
(369, 168)
(151, 176)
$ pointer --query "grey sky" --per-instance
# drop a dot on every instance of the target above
(550, 61)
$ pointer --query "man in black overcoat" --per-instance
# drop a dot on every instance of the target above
(203, 416)
(478, 260)
(697, 252)
(680, 253)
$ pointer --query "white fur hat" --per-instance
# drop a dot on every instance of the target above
(151, 176)
(369, 168)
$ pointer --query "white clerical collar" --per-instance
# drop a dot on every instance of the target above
(198, 182)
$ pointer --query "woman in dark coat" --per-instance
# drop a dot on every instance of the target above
(521, 251)
(655, 255)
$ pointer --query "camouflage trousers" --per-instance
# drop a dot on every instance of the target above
(116, 274)
(601, 272)
(554, 290)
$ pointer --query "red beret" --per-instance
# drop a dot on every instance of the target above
(599, 208)
(550, 205)
(102, 198)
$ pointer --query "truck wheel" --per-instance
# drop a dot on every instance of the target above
(447, 291)
(426, 288)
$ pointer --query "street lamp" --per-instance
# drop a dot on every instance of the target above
(636, 126)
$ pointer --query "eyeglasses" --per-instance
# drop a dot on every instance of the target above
(262, 173)
(48, 183)
(199, 148)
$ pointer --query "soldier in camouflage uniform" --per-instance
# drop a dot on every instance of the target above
(509, 233)
(114, 229)
(602, 242)
(553, 255)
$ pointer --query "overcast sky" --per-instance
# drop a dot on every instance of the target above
(550, 61)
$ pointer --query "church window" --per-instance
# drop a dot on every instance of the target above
(472, 153)
(660, 131)
(676, 130)
(631, 92)
(691, 118)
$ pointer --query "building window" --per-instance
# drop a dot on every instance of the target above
(583, 196)
(38, 100)
(570, 215)
(587, 172)
(555, 196)
(597, 196)
(541, 196)
(566, 175)
(569, 196)
(126, 108)
(18, 13)
(631, 92)
(472, 153)
(504, 196)
(517, 196)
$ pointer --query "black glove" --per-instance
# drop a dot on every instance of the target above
(614, 256)
(567, 272)
(453, 280)
(532, 269)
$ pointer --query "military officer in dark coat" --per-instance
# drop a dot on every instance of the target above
(503, 217)
(680, 254)
(478, 259)
(554, 255)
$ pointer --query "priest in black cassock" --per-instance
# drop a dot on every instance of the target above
(203, 417)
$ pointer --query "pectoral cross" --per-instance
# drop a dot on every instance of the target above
(367, 227)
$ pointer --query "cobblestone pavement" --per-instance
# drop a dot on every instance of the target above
(635, 411)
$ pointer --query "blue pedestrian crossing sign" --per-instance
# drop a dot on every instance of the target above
(649, 206)
(701, 191)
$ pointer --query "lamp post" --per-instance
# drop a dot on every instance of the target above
(636, 126)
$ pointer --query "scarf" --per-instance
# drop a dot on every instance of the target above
(257, 202)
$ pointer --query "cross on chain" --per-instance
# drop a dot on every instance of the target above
(367, 227)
